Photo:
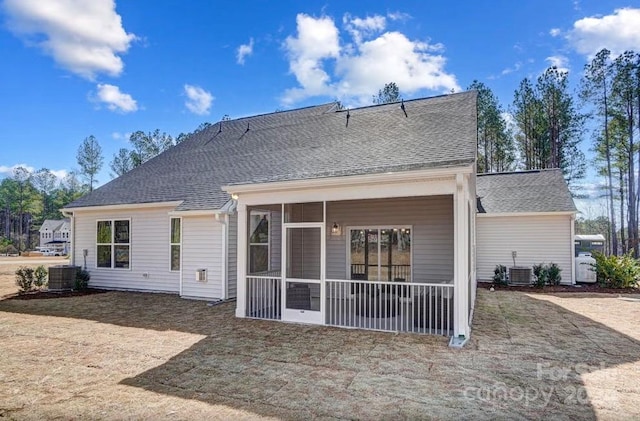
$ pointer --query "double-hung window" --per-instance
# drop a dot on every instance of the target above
(175, 242)
(113, 243)
(258, 241)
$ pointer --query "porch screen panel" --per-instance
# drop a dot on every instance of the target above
(303, 251)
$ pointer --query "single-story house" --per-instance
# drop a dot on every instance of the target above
(362, 218)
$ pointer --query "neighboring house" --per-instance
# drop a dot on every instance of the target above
(358, 218)
(530, 213)
(55, 235)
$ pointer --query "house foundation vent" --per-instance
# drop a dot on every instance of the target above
(201, 275)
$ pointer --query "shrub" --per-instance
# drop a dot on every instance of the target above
(82, 279)
(500, 275)
(546, 274)
(541, 275)
(617, 271)
(24, 279)
(553, 274)
(40, 274)
(11, 249)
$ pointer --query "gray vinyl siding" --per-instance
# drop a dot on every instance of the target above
(536, 239)
(201, 249)
(232, 253)
(275, 246)
(432, 235)
(149, 258)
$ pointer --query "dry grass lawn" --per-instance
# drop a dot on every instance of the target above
(152, 356)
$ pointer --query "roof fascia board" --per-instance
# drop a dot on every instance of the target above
(509, 214)
(123, 206)
(352, 180)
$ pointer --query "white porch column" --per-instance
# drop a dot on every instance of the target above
(460, 259)
(241, 296)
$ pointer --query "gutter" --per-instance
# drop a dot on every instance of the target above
(67, 214)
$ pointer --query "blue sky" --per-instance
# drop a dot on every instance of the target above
(75, 68)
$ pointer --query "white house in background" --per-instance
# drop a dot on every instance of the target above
(55, 235)
(359, 218)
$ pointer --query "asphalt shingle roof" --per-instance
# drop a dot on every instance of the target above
(526, 191)
(307, 143)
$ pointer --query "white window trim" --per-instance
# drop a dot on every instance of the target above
(112, 244)
(175, 244)
(268, 243)
(379, 228)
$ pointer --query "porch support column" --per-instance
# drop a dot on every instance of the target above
(460, 262)
(241, 295)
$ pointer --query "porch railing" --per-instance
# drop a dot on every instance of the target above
(264, 297)
(390, 306)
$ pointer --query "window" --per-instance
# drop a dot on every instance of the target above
(175, 242)
(258, 241)
(113, 247)
(380, 254)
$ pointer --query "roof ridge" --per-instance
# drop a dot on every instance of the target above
(537, 170)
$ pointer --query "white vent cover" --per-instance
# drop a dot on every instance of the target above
(201, 275)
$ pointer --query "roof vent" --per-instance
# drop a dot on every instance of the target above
(403, 109)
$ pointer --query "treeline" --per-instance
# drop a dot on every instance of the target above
(545, 123)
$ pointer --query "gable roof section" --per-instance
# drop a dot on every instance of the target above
(52, 224)
(307, 143)
(523, 192)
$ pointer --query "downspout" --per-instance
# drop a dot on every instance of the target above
(72, 257)
(224, 221)
(572, 248)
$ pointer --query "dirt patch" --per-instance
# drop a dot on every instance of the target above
(155, 356)
(552, 289)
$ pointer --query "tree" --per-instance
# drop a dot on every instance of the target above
(45, 182)
(121, 163)
(202, 127)
(90, 160)
(596, 88)
(390, 93)
(148, 145)
(495, 145)
(23, 201)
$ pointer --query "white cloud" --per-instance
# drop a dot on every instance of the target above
(361, 68)
(198, 100)
(512, 69)
(368, 26)
(617, 32)
(120, 136)
(554, 32)
(245, 50)
(317, 40)
(561, 62)
(401, 16)
(84, 37)
(115, 99)
(7, 171)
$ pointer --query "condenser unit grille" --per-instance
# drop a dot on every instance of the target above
(519, 276)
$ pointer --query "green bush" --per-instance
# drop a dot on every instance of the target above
(24, 279)
(617, 271)
(40, 275)
(11, 250)
(546, 274)
(553, 274)
(82, 279)
(500, 275)
(541, 275)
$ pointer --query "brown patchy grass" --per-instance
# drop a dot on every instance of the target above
(153, 356)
